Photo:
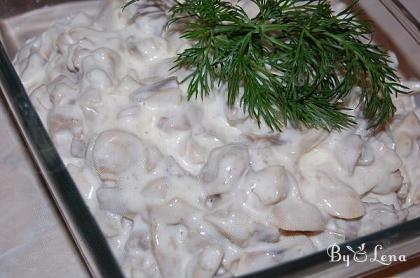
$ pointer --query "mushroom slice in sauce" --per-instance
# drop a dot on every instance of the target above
(224, 168)
(116, 151)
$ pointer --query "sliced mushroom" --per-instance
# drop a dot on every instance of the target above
(65, 118)
(169, 249)
(270, 139)
(149, 201)
(117, 243)
(119, 201)
(250, 8)
(98, 78)
(108, 59)
(327, 238)
(311, 139)
(129, 112)
(348, 151)
(194, 114)
(140, 238)
(150, 48)
(170, 235)
(63, 41)
(140, 265)
(237, 226)
(410, 123)
(157, 95)
(270, 184)
(266, 233)
(30, 72)
(235, 115)
(192, 151)
(78, 147)
(172, 168)
(206, 264)
(42, 96)
(407, 139)
(391, 184)
(333, 196)
(177, 122)
(224, 168)
(87, 183)
(147, 90)
(367, 156)
(296, 215)
(115, 152)
(62, 92)
(75, 55)
(127, 85)
(173, 212)
(153, 156)
(152, 19)
(386, 161)
(404, 144)
(45, 45)
(109, 222)
(156, 191)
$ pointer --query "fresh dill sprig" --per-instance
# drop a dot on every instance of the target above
(295, 62)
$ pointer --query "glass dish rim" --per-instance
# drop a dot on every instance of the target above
(86, 232)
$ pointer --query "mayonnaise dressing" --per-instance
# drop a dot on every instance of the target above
(194, 188)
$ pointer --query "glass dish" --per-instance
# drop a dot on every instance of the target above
(401, 239)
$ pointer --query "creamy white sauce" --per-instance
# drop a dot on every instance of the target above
(193, 188)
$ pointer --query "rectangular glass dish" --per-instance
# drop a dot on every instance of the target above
(391, 18)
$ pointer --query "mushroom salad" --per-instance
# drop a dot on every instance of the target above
(196, 188)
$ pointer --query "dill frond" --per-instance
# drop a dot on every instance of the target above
(296, 61)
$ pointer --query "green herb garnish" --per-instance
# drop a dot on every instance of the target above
(296, 61)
